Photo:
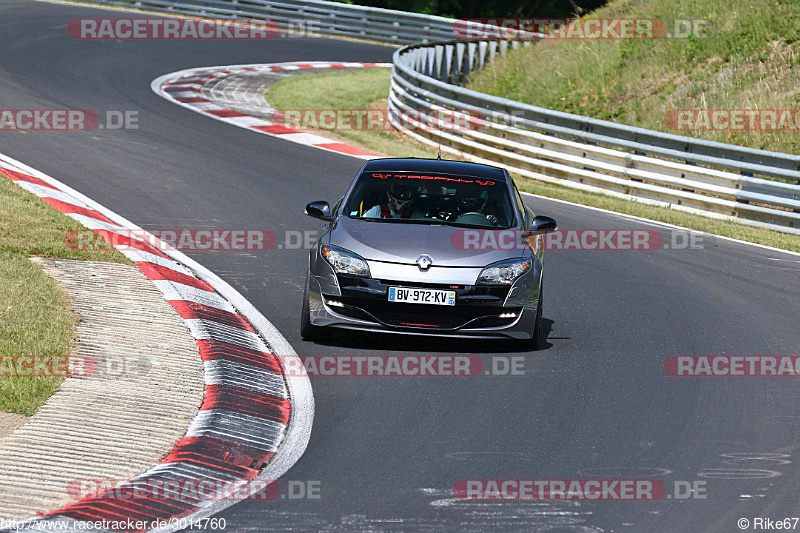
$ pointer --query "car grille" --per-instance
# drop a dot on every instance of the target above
(476, 307)
(402, 315)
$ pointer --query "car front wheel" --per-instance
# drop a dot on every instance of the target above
(308, 331)
(537, 342)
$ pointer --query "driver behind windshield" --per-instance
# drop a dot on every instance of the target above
(400, 202)
(474, 199)
(454, 201)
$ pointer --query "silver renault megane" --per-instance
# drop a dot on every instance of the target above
(430, 247)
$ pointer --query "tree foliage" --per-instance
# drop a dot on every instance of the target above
(489, 8)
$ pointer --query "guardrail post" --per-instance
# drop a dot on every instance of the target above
(431, 62)
(438, 70)
(419, 59)
(482, 48)
(459, 73)
(469, 60)
(492, 49)
(448, 62)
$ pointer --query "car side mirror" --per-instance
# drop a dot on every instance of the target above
(320, 210)
(543, 224)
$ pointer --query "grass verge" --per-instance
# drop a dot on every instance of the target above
(359, 89)
(34, 312)
(745, 56)
(662, 214)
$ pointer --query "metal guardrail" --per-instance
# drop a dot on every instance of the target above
(751, 186)
(754, 187)
(332, 18)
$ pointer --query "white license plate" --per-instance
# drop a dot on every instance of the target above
(422, 296)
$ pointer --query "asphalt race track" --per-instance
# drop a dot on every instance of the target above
(386, 452)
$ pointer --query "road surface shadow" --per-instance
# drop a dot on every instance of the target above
(358, 340)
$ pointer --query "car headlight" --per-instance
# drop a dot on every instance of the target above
(344, 261)
(504, 272)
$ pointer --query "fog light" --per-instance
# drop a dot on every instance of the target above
(508, 315)
(335, 303)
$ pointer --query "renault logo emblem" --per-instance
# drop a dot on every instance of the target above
(424, 262)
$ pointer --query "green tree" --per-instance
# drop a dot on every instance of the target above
(490, 8)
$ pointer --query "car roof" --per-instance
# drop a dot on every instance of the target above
(443, 166)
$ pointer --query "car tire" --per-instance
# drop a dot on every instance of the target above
(537, 340)
(308, 331)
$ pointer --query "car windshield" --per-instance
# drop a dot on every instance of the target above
(442, 199)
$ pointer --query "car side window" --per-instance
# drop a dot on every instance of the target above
(520, 204)
(336, 207)
(529, 215)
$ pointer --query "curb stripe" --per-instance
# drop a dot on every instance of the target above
(226, 113)
(210, 462)
(64, 207)
(96, 224)
(161, 273)
(120, 241)
(139, 256)
(245, 413)
(245, 429)
(165, 86)
(221, 372)
(247, 402)
(192, 100)
(13, 175)
(189, 310)
(213, 350)
(207, 329)
(187, 472)
(274, 129)
(175, 291)
(247, 121)
(44, 192)
(214, 448)
(177, 89)
(345, 149)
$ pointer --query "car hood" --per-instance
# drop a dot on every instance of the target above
(404, 243)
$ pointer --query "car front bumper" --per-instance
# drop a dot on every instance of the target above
(345, 302)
